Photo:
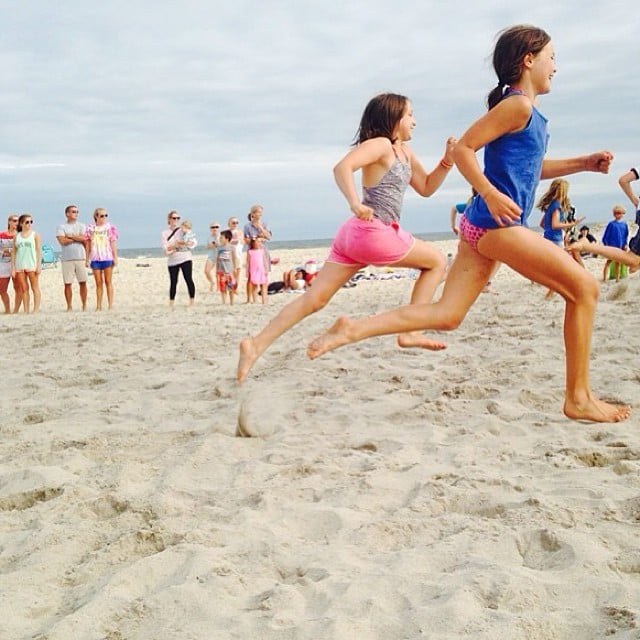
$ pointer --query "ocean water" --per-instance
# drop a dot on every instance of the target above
(274, 245)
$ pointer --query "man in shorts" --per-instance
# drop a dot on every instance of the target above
(70, 235)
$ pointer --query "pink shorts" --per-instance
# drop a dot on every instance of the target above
(470, 232)
(364, 242)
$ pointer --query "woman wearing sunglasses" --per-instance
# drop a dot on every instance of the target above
(6, 249)
(26, 263)
(179, 258)
(102, 255)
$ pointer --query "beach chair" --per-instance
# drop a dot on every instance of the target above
(49, 258)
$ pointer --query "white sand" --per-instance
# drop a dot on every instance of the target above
(390, 495)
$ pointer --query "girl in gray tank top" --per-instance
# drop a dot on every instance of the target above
(372, 234)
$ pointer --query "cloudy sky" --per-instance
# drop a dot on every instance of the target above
(210, 106)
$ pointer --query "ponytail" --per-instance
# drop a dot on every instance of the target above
(512, 46)
(495, 95)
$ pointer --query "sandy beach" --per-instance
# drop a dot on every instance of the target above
(372, 494)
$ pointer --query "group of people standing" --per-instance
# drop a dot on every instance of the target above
(82, 246)
(225, 251)
(21, 255)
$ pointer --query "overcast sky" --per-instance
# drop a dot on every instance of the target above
(208, 107)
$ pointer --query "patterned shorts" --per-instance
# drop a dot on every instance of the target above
(226, 282)
(470, 232)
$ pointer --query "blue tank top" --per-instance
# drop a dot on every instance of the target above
(555, 235)
(385, 198)
(512, 164)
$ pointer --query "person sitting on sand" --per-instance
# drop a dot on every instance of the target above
(372, 235)
(294, 279)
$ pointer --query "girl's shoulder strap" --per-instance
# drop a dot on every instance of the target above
(405, 152)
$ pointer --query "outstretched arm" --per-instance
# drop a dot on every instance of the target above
(556, 224)
(598, 162)
(426, 184)
(625, 181)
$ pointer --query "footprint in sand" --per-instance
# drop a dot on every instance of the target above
(543, 551)
(252, 423)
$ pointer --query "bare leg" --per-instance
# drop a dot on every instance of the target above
(24, 287)
(97, 275)
(4, 285)
(330, 278)
(208, 267)
(466, 278)
(18, 294)
(108, 282)
(525, 252)
(83, 295)
(432, 265)
(34, 279)
(68, 296)
(611, 253)
(22, 292)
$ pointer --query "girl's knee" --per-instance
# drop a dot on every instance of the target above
(586, 289)
(450, 322)
(313, 302)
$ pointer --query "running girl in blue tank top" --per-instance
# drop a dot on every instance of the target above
(372, 234)
(493, 228)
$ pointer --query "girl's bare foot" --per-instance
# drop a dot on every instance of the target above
(248, 355)
(415, 339)
(596, 410)
(337, 336)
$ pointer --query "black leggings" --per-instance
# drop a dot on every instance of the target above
(187, 269)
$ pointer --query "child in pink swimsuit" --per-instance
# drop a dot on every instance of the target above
(373, 234)
(257, 273)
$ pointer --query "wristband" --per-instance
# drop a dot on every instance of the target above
(446, 165)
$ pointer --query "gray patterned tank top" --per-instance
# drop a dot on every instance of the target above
(385, 198)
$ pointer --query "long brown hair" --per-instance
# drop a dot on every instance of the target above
(512, 45)
(380, 117)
